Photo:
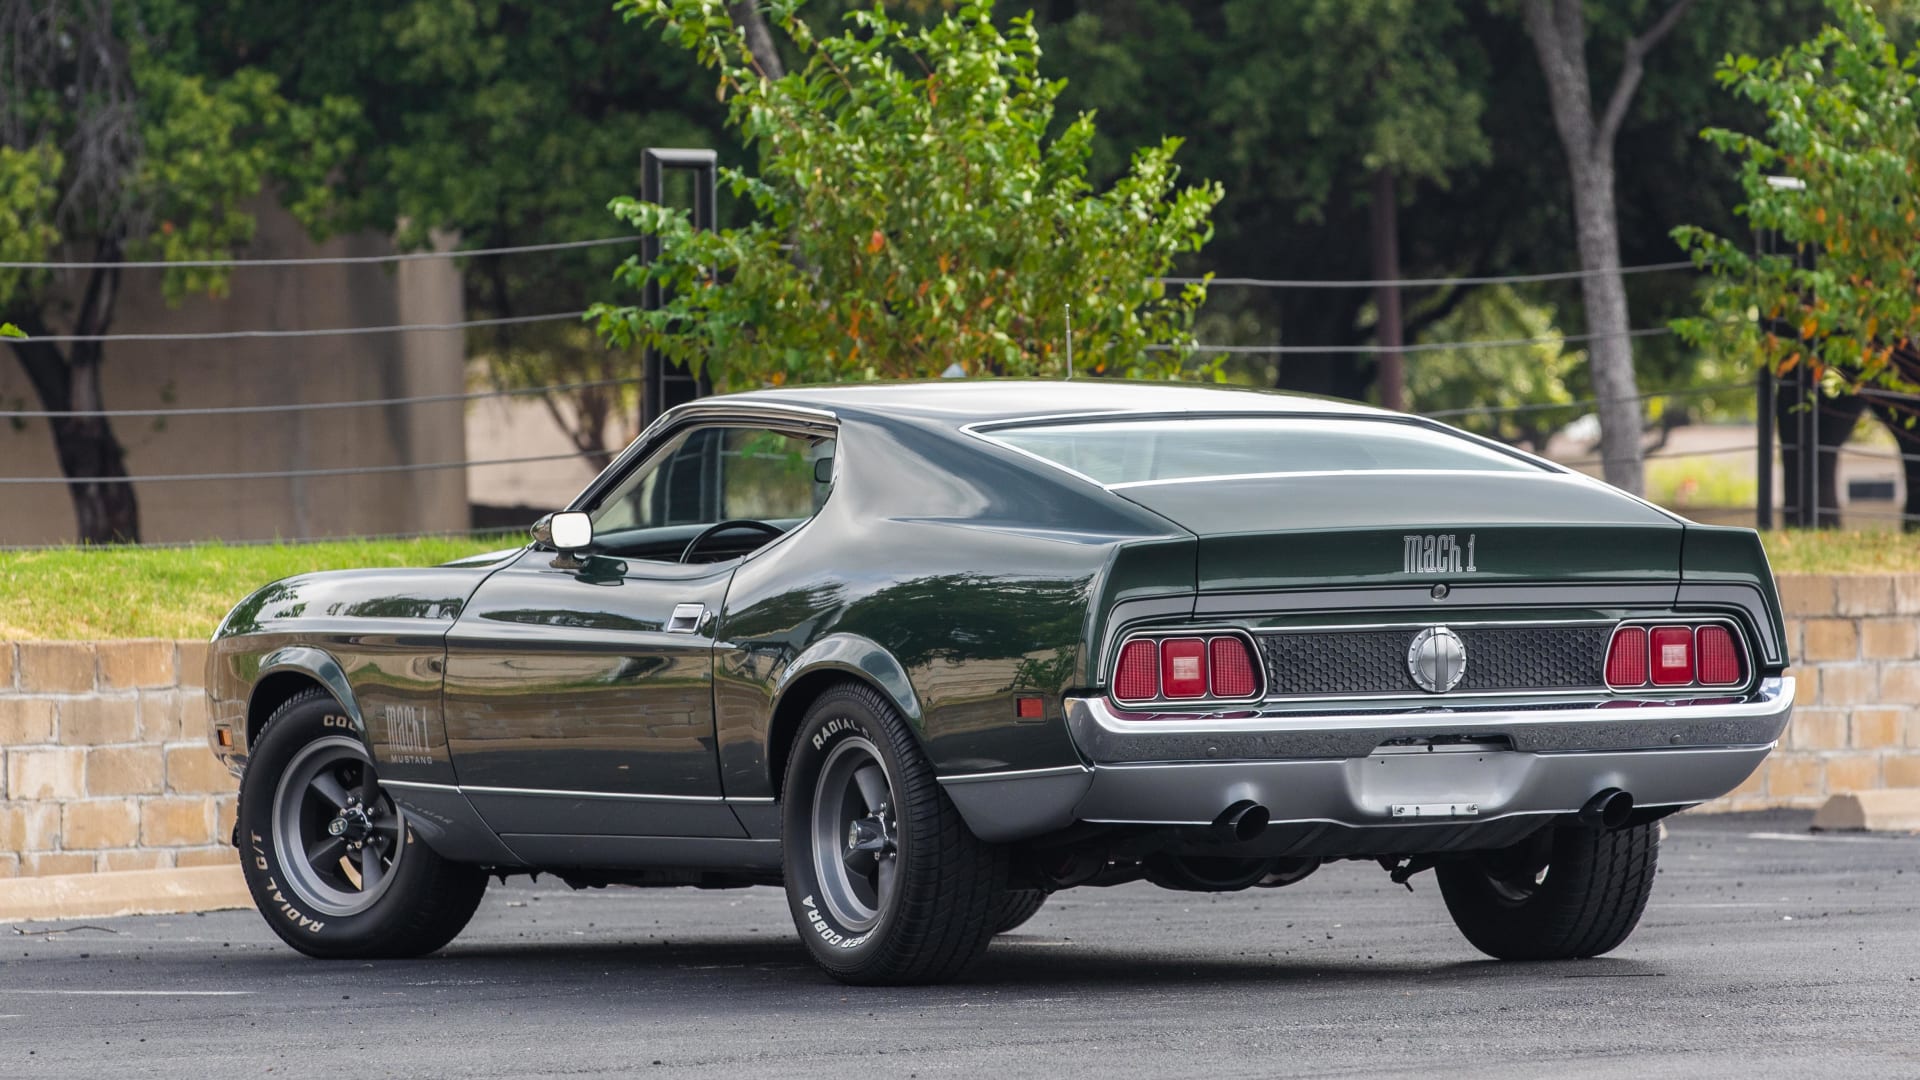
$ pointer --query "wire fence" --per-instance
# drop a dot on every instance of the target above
(19, 415)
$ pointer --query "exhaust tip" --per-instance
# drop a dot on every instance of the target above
(1609, 809)
(1242, 821)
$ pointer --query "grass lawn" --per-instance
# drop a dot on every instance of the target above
(75, 594)
(70, 594)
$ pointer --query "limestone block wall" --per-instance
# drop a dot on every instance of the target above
(1855, 644)
(106, 759)
(106, 765)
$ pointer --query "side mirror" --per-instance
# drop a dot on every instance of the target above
(823, 470)
(569, 530)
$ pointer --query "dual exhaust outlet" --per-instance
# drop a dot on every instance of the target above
(1246, 820)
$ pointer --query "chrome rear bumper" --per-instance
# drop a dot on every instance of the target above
(1413, 769)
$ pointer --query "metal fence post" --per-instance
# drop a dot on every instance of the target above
(665, 384)
(1763, 416)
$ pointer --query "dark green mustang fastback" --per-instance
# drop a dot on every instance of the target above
(925, 654)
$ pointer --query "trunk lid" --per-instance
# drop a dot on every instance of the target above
(1384, 528)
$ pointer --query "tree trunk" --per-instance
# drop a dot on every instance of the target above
(1392, 370)
(107, 511)
(753, 22)
(1559, 33)
(1610, 350)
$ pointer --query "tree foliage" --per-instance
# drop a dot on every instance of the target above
(114, 147)
(1840, 292)
(913, 209)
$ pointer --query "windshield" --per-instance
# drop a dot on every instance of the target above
(1119, 452)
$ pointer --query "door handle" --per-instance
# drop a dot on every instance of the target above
(686, 618)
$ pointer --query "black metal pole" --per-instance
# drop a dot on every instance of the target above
(1763, 411)
(664, 385)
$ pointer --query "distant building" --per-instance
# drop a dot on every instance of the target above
(268, 371)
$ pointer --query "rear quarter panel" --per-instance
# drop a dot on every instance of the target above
(941, 566)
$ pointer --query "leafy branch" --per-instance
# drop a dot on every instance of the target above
(911, 213)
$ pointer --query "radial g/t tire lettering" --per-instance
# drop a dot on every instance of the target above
(362, 885)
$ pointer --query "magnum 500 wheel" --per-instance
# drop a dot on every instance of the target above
(886, 883)
(328, 855)
(1563, 893)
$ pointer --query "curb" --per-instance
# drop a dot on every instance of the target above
(123, 892)
(1886, 810)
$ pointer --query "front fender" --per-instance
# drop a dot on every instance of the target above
(320, 666)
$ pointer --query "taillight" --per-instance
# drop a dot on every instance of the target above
(1138, 676)
(1183, 667)
(1674, 656)
(1627, 658)
(1232, 668)
(1717, 657)
(1672, 651)
(1186, 668)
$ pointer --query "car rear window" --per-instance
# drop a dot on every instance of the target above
(1114, 452)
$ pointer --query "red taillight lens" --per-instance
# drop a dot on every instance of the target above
(1138, 676)
(1232, 668)
(1627, 658)
(1672, 652)
(1717, 656)
(1183, 667)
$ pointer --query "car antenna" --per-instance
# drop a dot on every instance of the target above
(1069, 341)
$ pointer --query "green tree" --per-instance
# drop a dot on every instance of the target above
(1843, 120)
(1377, 105)
(110, 149)
(1835, 294)
(913, 210)
(488, 124)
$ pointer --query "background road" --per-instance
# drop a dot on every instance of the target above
(1765, 953)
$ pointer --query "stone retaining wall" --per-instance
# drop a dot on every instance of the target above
(1855, 644)
(107, 766)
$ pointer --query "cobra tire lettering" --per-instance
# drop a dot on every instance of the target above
(827, 933)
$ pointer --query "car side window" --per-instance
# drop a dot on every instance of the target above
(707, 475)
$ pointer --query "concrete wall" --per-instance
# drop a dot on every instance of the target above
(150, 375)
(107, 767)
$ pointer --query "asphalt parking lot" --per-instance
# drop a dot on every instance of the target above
(1766, 952)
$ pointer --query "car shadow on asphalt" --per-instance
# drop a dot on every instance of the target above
(1015, 962)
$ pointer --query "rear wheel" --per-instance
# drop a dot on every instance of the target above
(886, 883)
(1562, 893)
(1016, 906)
(328, 855)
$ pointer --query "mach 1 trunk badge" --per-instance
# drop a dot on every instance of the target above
(1437, 659)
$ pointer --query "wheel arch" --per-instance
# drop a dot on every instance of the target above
(287, 672)
(825, 664)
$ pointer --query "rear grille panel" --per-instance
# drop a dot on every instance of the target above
(1320, 663)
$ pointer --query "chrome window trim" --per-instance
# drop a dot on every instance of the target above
(1220, 478)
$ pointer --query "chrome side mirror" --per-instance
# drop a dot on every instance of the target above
(569, 530)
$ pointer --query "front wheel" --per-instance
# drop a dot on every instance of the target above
(328, 855)
(886, 883)
(1562, 893)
